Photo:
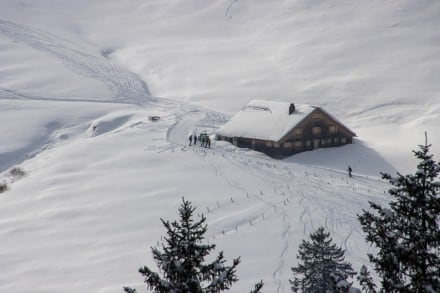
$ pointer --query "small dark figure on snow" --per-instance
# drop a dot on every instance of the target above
(195, 139)
(349, 171)
(202, 141)
(208, 142)
(190, 139)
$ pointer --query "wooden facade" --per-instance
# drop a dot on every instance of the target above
(316, 130)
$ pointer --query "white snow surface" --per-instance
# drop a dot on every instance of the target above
(78, 80)
(89, 207)
(265, 120)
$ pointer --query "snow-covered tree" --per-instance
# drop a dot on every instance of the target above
(181, 259)
(366, 281)
(407, 232)
(322, 267)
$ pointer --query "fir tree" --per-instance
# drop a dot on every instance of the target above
(407, 233)
(366, 281)
(181, 259)
(323, 268)
(257, 288)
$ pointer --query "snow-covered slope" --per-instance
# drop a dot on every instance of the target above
(88, 209)
(374, 65)
(78, 80)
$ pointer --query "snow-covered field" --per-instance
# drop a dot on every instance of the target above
(78, 81)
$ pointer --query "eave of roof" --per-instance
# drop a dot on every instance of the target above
(266, 120)
(269, 120)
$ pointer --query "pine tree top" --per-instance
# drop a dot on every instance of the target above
(181, 259)
(406, 232)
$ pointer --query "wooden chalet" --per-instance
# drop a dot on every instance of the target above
(284, 129)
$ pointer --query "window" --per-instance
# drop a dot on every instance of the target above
(316, 130)
(268, 144)
(276, 144)
(298, 144)
(298, 132)
(308, 143)
(336, 140)
(343, 140)
(288, 145)
(316, 116)
(332, 129)
(323, 142)
(234, 141)
(329, 141)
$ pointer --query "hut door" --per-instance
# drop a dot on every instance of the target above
(315, 143)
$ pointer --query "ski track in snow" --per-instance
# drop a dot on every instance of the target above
(126, 86)
(229, 8)
(279, 270)
(283, 177)
(274, 195)
(277, 196)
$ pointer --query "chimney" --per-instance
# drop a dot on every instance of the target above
(291, 108)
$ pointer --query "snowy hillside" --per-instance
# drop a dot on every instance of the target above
(89, 207)
(78, 81)
(372, 64)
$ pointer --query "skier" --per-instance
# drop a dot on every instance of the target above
(349, 171)
(208, 142)
(195, 138)
(190, 139)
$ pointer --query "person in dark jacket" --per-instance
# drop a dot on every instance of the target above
(349, 171)
(208, 142)
(190, 139)
(195, 139)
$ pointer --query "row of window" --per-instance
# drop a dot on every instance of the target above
(298, 132)
(308, 143)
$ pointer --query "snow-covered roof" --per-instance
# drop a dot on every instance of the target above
(267, 120)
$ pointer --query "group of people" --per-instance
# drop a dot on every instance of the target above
(203, 139)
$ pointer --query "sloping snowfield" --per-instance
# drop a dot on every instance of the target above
(88, 209)
(79, 80)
